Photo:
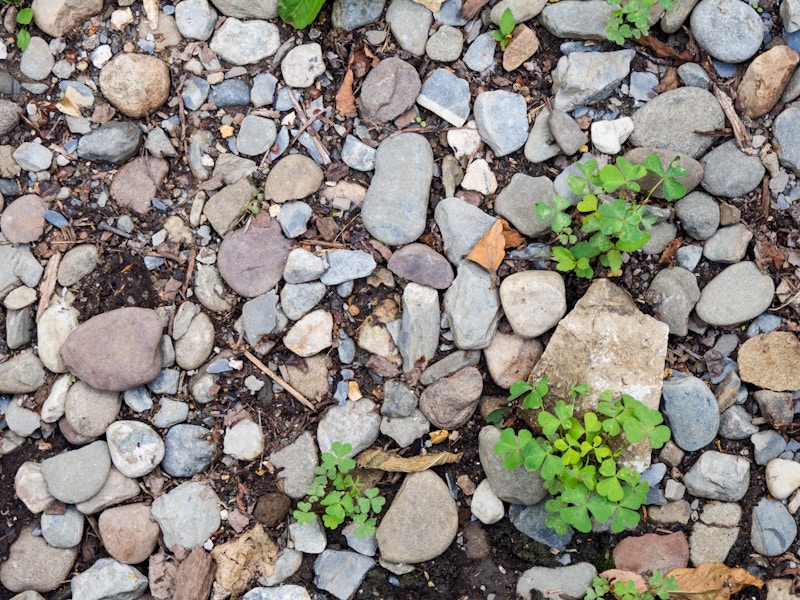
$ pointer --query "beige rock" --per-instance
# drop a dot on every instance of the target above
(311, 381)
(770, 361)
(165, 35)
(89, 411)
(510, 358)
(22, 221)
(138, 181)
(34, 565)
(765, 79)
(311, 334)
(128, 532)
(56, 323)
(533, 301)
(58, 17)
(523, 45)
(225, 207)
(136, 84)
(244, 558)
(117, 488)
(780, 589)
(783, 477)
(294, 177)
(30, 487)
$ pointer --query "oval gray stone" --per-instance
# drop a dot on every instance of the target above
(729, 172)
(77, 475)
(461, 225)
(773, 528)
(721, 302)
(785, 131)
(692, 411)
(718, 476)
(502, 120)
(729, 30)
(187, 514)
(698, 214)
(113, 142)
(390, 89)
(252, 260)
(423, 265)
(472, 305)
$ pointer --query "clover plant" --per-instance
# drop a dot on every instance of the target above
(341, 496)
(505, 34)
(659, 587)
(578, 458)
(613, 226)
(630, 19)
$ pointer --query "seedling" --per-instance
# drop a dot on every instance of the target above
(506, 32)
(418, 120)
(577, 459)
(659, 587)
(339, 496)
(24, 18)
(630, 19)
(611, 227)
(299, 13)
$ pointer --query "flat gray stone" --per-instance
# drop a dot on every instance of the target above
(722, 305)
(472, 305)
(245, 42)
(502, 120)
(461, 225)
(409, 23)
(340, 572)
(188, 514)
(577, 19)
(718, 476)
(673, 294)
(480, 55)
(786, 129)
(773, 528)
(728, 30)
(347, 265)
(390, 89)
(728, 245)
(77, 475)
(691, 410)
(730, 173)
(109, 578)
(352, 14)
(583, 78)
(540, 145)
(447, 96)
(572, 580)
(112, 142)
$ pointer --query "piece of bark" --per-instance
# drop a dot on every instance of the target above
(739, 130)
(194, 576)
(471, 8)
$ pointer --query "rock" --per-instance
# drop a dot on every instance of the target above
(480, 55)
(170, 412)
(244, 441)
(248, 9)
(76, 264)
(283, 592)
(728, 245)
(135, 448)
(64, 530)
(533, 301)
(298, 299)
(573, 580)
(462, 225)
(251, 260)
(421, 264)
(608, 136)
(390, 89)
(409, 23)
(651, 552)
(34, 565)
(352, 14)
(195, 19)
(773, 528)
(340, 572)
(540, 145)
(727, 30)
(670, 513)
(311, 334)
(309, 537)
(530, 520)
(30, 487)
(396, 205)
(577, 20)
(765, 80)
(356, 423)
(767, 445)
(778, 408)
(36, 61)
(298, 461)
(187, 450)
(692, 411)
(486, 506)
(187, 514)
(347, 265)
(128, 532)
(33, 156)
(302, 266)
(692, 74)
(256, 135)
(524, 44)
(673, 294)
(510, 358)
(670, 119)
(245, 42)
(77, 475)
(56, 323)
(447, 96)
(21, 420)
(718, 477)
(358, 155)
(294, 177)
(9, 117)
(231, 92)
(720, 306)
(117, 488)
(419, 334)
(565, 130)
(785, 128)
(517, 487)
(88, 411)
(21, 374)
(113, 142)
(711, 544)
(424, 501)
(129, 356)
(699, 215)
(405, 430)
(367, 545)
(582, 78)
(769, 361)
(583, 338)
(224, 208)
(450, 402)
(782, 477)
(272, 508)
(517, 201)
(472, 306)
(108, 578)
(691, 180)
(58, 17)
(136, 84)
(22, 221)
(730, 173)
(445, 45)
(195, 346)
(138, 181)
(302, 65)
(502, 120)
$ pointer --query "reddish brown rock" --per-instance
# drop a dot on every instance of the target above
(22, 221)
(423, 265)
(522, 46)
(390, 89)
(765, 79)
(136, 84)
(128, 532)
(251, 260)
(450, 402)
(137, 182)
(116, 350)
(652, 552)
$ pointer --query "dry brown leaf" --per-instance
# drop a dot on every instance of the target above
(361, 61)
(669, 252)
(72, 102)
(511, 235)
(490, 251)
(660, 49)
(669, 82)
(240, 560)
(767, 252)
(614, 575)
(375, 458)
(161, 575)
(710, 581)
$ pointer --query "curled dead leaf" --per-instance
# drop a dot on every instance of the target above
(375, 458)
(72, 102)
(361, 61)
(512, 237)
(243, 558)
(438, 436)
(490, 251)
(710, 581)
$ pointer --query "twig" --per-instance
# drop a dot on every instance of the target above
(323, 243)
(739, 131)
(301, 114)
(110, 229)
(274, 376)
(189, 272)
(48, 284)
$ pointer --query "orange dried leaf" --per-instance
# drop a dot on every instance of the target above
(511, 235)
(375, 458)
(490, 251)
(361, 61)
(669, 253)
(710, 581)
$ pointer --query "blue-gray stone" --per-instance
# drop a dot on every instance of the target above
(263, 91)
(687, 257)
(113, 142)
(346, 265)
(447, 96)
(340, 572)
(642, 84)
(166, 382)
(188, 449)
(583, 78)
(472, 305)
(398, 400)
(448, 14)
(232, 92)
(357, 155)
(299, 298)
(731, 173)
(220, 365)
(480, 54)
(785, 131)
(502, 120)
(699, 215)
(63, 530)
(409, 24)
(352, 14)
(718, 476)
(346, 349)
(109, 579)
(138, 399)
(729, 30)
(694, 75)
(194, 93)
(691, 410)
(530, 520)
(83, 89)
(9, 188)
(283, 101)
(725, 70)
(55, 219)
(764, 323)
(736, 424)
(577, 19)
(773, 528)
(767, 445)
(260, 317)
(294, 218)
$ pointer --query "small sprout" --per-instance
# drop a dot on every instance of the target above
(418, 120)
(506, 32)
(24, 18)
(254, 207)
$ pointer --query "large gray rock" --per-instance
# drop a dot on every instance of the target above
(517, 487)
(245, 42)
(673, 294)
(577, 19)
(691, 410)
(352, 14)
(583, 78)
(251, 259)
(718, 476)
(502, 120)
(728, 30)
(390, 89)
(77, 475)
(113, 142)
(108, 578)
(461, 225)
(396, 205)
(188, 514)
(472, 305)
(773, 529)
(670, 120)
(34, 565)
(721, 302)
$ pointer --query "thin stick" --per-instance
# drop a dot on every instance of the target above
(48, 284)
(739, 130)
(274, 376)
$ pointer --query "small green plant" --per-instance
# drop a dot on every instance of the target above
(505, 34)
(630, 19)
(611, 227)
(299, 13)
(341, 496)
(577, 459)
(659, 587)
(757, 7)
(24, 18)
(418, 120)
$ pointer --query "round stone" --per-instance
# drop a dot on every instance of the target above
(729, 30)
(63, 530)
(136, 448)
(33, 564)
(187, 514)
(294, 177)
(136, 84)
(128, 532)
(90, 411)
(533, 301)
(188, 450)
(22, 221)
(244, 441)
(302, 65)
(78, 262)
(252, 260)
(195, 346)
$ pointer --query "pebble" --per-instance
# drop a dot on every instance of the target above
(302, 65)
(409, 24)
(650, 552)
(583, 78)
(231, 92)
(768, 361)
(389, 90)
(711, 544)
(36, 61)
(524, 44)
(355, 423)
(721, 306)
(502, 120)
(256, 135)
(450, 402)
(572, 580)
(533, 301)
(23, 375)
(158, 144)
(22, 221)
(447, 96)
(116, 489)
(77, 475)
(480, 178)
(773, 528)
(170, 412)
(302, 266)
(33, 156)
(77, 263)
(673, 294)
(195, 19)
(718, 477)
(419, 333)
(486, 506)
(128, 532)
(88, 411)
(530, 520)
(766, 79)
(767, 445)
(64, 530)
(224, 208)
(294, 177)
(728, 245)
(462, 226)
(445, 45)
(340, 572)
(396, 205)
(517, 201)
(698, 214)
(730, 173)
(298, 299)
(672, 512)
(352, 14)
(136, 449)
(187, 514)
(510, 358)
(245, 42)
(195, 346)
(785, 128)
(22, 421)
(347, 265)
(34, 565)
(30, 487)
(405, 430)
(251, 260)
(570, 19)
(244, 441)
(283, 592)
(55, 325)
(782, 477)
(311, 334)
(136, 84)
(521, 487)
(108, 578)
(298, 461)
(691, 410)
(472, 306)
(425, 501)
(608, 136)
(308, 538)
(112, 142)
(187, 450)
(728, 30)
(358, 155)
(263, 91)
